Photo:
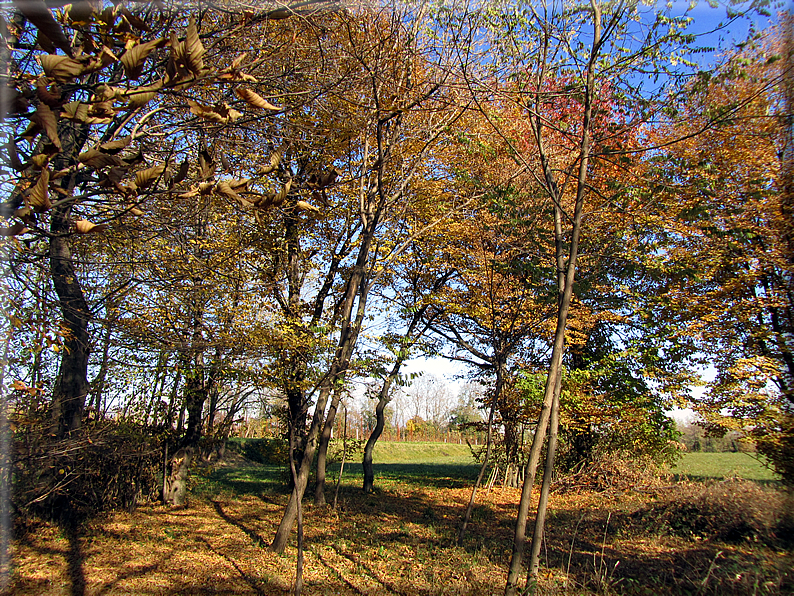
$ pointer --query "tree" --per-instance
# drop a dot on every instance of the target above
(573, 71)
(403, 120)
(725, 238)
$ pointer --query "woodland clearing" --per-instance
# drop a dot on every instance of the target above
(399, 540)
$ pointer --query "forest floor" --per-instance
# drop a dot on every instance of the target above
(717, 537)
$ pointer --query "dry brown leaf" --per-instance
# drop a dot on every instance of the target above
(36, 12)
(115, 146)
(40, 161)
(134, 58)
(254, 99)
(83, 226)
(193, 192)
(79, 12)
(142, 95)
(194, 51)
(48, 93)
(304, 206)
(281, 195)
(45, 118)
(39, 196)
(14, 230)
(220, 113)
(144, 178)
(181, 173)
(134, 20)
(275, 159)
(60, 68)
(97, 159)
(75, 110)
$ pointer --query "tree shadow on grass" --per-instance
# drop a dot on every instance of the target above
(254, 536)
(251, 479)
(75, 558)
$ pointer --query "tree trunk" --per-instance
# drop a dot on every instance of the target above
(540, 518)
(488, 446)
(380, 423)
(554, 376)
(301, 478)
(71, 386)
(177, 482)
(322, 451)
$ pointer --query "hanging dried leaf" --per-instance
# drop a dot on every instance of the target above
(135, 211)
(39, 197)
(254, 99)
(144, 178)
(224, 189)
(98, 159)
(14, 230)
(31, 132)
(194, 51)
(113, 177)
(79, 12)
(181, 173)
(275, 160)
(45, 118)
(225, 163)
(193, 192)
(239, 183)
(220, 113)
(83, 226)
(40, 161)
(60, 68)
(115, 146)
(26, 215)
(103, 59)
(281, 195)
(36, 12)
(135, 158)
(206, 164)
(139, 97)
(75, 110)
(102, 109)
(206, 188)
(238, 61)
(304, 206)
(48, 93)
(177, 64)
(134, 58)
(134, 20)
(45, 43)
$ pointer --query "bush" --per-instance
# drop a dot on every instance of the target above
(611, 471)
(273, 451)
(730, 510)
(105, 465)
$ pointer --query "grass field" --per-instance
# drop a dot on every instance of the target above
(724, 465)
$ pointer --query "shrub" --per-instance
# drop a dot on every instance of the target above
(272, 451)
(104, 465)
(611, 471)
(730, 510)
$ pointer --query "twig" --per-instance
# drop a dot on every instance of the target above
(708, 573)
(570, 552)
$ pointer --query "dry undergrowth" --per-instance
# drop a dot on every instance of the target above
(398, 541)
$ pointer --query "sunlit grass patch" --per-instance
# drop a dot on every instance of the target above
(724, 465)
